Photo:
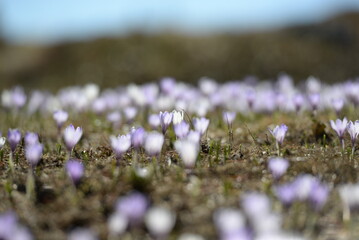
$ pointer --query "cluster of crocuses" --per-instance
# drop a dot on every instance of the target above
(187, 143)
(342, 126)
(123, 104)
(257, 221)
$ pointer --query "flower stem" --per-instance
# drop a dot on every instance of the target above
(30, 185)
(11, 162)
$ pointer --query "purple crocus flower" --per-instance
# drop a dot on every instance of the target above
(339, 126)
(114, 118)
(181, 129)
(33, 153)
(338, 104)
(353, 130)
(279, 133)
(75, 170)
(133, 206)
(285, 193)
(188, 150)
(153, 143)
(167, 85)
(298, 101)
(8, 224)
(13, 137)
(60, 117)
(165, 120)
(194, 136)
(72, 136)
(278, 166)
(229, 117)
(319, 195)
(120, 144)
(256, 205)
(154, 121)
(130, 113)
(31, 138)
(18, 97)
(138, 136)
(314, 100)
(229, 221)
(201, 124)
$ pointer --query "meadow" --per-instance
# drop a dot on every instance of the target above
(169, 160)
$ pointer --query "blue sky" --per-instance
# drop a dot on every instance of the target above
(47, 21)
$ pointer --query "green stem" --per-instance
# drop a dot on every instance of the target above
(11, 162)
(30, 185)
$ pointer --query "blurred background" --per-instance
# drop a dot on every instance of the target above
(50, 44)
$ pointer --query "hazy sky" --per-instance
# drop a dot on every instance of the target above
(49, 21)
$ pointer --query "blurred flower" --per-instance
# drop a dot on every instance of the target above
(190, 236)
(33, 153)
(154, 120)
(181, 129)
(314, 100)
(60, 117)
(153, 143)
(120, 144)
(72, 136)
(319, 195)
(13, 138)
(160, 221)
(201, 124)
(75, 170)
(278, 166)
(279, 133)
(133, 206)
(130, 113)
(256, 205)
(31, 138)
(337, 104)
(11, 229)
(165, 119)
(228, 117)
(114, 118)
(81, 234)
(167, 85)
(117, 223)
(138, 136)
(298, 101)
(286, 193)
(188, 150)
(194, 136)
(229, 221)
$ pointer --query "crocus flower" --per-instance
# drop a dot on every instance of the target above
(167, 85)
(117, 223)
(319, 195)
(13, 137)
(72, 136)
(114, 118)
(201, 124)
(160, 221)
(181, 129)
(256, 205)
(10, 228)
(339, 126)
(75, 170)
(188, 150)
(285, 193)
(120, 144)
(33, 153)
(60, 117)
(177, 117)
(229, 117)
(154, 121)
(353, 130)
(298, 101)
(138, 136)
(133, 206)
(130, 113)
(279, 133)
(153, 143)
(81, 234)
(314, 100)
(165, 119)
(338, 104)
(31, 138)
(229, 221)
(194, 136)
(278, 166)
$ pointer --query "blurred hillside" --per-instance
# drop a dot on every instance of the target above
(328, 50)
